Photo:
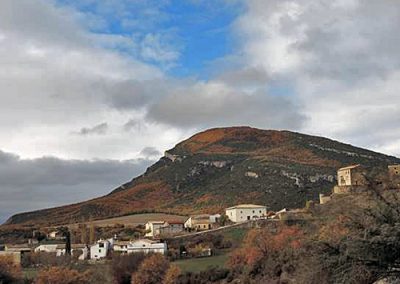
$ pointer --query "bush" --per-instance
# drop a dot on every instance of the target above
(9, 271)
(124, 265)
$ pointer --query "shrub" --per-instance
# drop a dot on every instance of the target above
(9, 271)
(62, 275)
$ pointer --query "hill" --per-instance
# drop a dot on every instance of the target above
(219, 168)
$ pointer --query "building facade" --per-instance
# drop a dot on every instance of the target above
(351, 176)
(245, 212)
(199, 222)
(147, 246)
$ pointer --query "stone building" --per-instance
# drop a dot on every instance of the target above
(351, 176)
(394, 175)
(394, 171)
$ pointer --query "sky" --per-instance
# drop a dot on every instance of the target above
(92, 92)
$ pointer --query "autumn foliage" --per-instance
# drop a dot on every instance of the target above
(155, 269)
(9, 271)
(262, 243)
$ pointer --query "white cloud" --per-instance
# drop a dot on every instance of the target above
(342, 61)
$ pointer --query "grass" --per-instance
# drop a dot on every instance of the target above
(201, 264)
(235, 235)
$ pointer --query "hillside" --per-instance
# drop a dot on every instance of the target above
(221, 167)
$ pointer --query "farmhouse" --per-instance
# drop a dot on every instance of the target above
(146, 246)
(171, 228)
(101, 249)
(199, 222)
(244, 212)
(153, 228)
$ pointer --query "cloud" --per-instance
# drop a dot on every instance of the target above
(49, 181)
(215, 104)
(150, 153)
(341, 63)
(99, 129)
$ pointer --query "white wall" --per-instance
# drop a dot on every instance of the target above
(243, 214)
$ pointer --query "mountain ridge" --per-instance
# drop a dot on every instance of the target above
(220, 167)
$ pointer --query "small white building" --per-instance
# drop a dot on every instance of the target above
(147, 246)
(58, 249)
(245, 212)
(80, 250)
(101, 249)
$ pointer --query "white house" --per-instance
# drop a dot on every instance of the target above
(101, 249)
(58, 249)
(245, 212)
(147, 246)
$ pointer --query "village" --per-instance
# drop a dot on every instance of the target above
(158, 234)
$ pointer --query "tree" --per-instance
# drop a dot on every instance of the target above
(67, 236)
(172, 274)
(123, 266)
(151, 270)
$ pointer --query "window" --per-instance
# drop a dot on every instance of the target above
(253, 212)
(101, 245)
(241, 211)
(99, 250)
(260, 211)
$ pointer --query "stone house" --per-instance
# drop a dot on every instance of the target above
(394, 171)
(153, 228)
(245, 212)
(351, 176)
(199, 222)
(171, 228)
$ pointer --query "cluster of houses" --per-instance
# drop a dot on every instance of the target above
(155, 231)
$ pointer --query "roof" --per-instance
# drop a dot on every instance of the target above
(122, 243)
(176, 222)
(394, 166)
(349, 167)
(243, 206)
(199, 217)
(156, 222)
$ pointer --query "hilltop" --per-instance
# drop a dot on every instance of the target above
(221, 167)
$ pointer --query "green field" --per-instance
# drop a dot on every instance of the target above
(201, 264)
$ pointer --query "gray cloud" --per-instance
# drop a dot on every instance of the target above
(48, 181)
(150, 153)
(217, 104)
(99, 129)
